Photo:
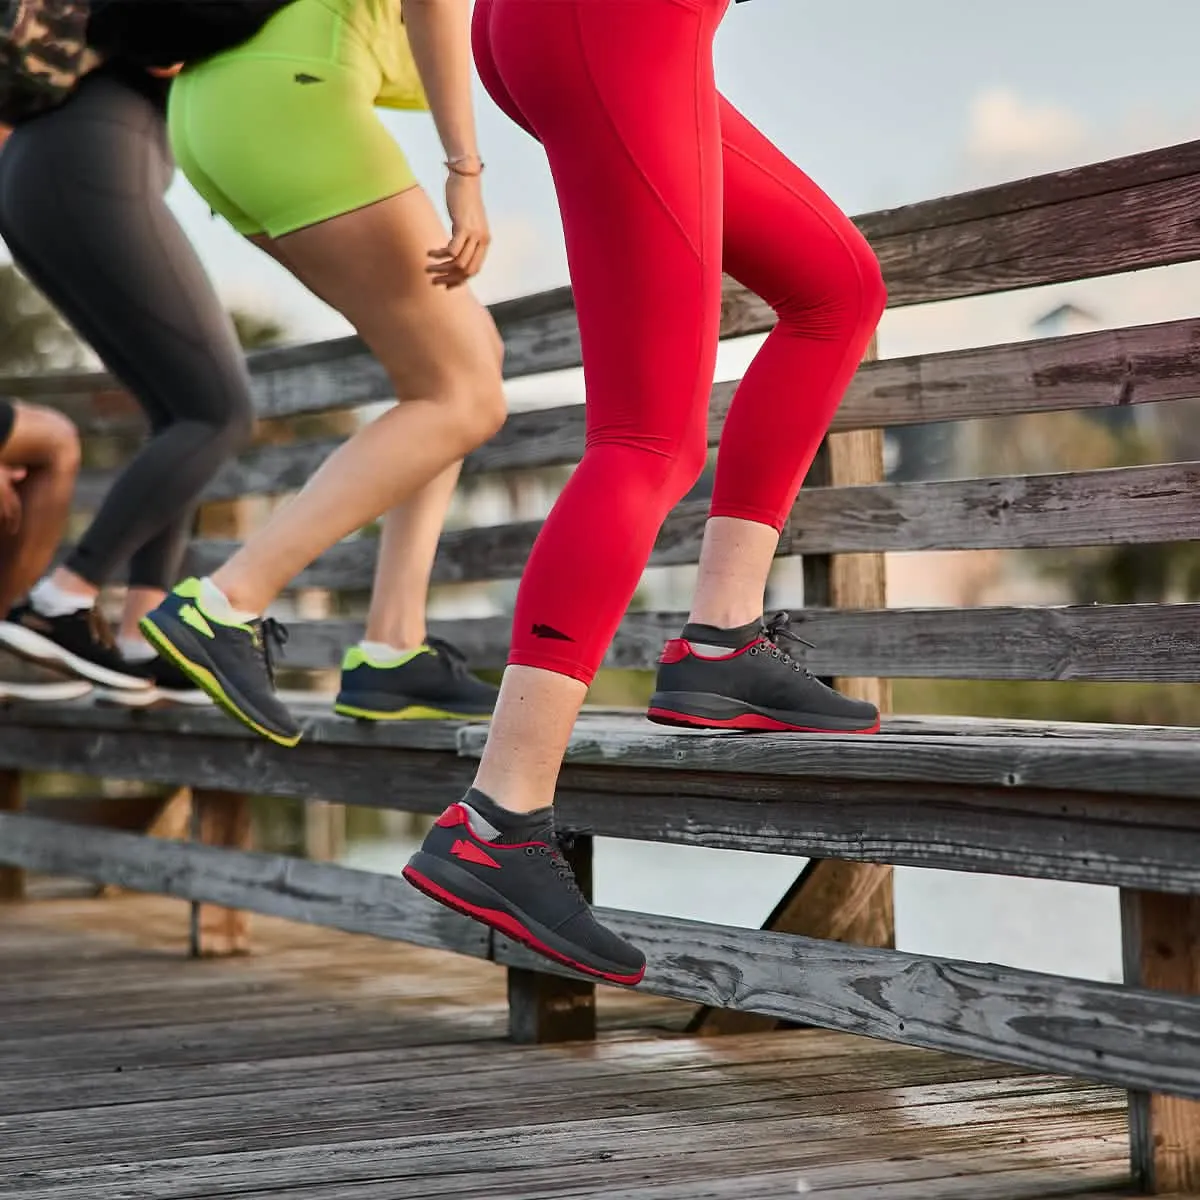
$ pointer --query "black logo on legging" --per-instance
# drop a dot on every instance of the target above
(301, 77)
(545, 631)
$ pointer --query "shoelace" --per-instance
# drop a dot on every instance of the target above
(779, 626)
(555, 851)
(456, 660)
(271, 637)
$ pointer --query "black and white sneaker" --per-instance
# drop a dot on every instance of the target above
(520, 884)
(168, 686)
(79, 642)
(745, 679)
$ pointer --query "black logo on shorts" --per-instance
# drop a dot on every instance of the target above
(301, 77)
(545, 631)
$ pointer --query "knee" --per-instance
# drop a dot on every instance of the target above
(57, 440)
(479, 409)
(237, 428)
(843, 301)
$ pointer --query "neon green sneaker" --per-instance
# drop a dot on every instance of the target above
(430, 683)
(233, 663)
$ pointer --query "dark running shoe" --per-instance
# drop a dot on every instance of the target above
(233, 663)
(432, 683)
(524, 889)
(168, 686)
(80, 642)
(755, 686)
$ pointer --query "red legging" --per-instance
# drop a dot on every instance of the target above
(661, 184)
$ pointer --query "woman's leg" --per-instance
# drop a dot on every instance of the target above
(360, 239)
(789, 243)
(623, 98)
(82, 210)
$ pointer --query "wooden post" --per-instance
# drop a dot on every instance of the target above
(12, 879)
(324, 831)
(1161, 940)
(842, 901)
(548, 1008)
(220, 819)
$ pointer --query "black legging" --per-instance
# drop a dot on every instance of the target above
(82, 210)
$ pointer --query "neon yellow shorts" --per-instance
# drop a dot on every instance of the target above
(281, 132)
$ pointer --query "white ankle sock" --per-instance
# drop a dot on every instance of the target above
(135, 649)
(50, 600)
(216, 604)
(382, 654)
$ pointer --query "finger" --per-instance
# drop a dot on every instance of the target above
(442, 253)
(475, 265)
(457, 242)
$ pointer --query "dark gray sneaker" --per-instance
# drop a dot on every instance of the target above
(432, 683)
(523, 888)
(232, 663)
(745, 679)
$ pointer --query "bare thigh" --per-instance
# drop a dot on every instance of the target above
(370, 266)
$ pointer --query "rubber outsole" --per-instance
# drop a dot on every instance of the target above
(695, 710)
(508, 925)
(413, 712)
(208, 683)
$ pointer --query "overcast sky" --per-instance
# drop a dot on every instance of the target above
(884, 102)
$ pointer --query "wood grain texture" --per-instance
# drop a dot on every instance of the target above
(12, 879)
(837, 901)
(316, 893)
(1161, 939)
(1132, 642)
(1107, 1032)
(1126, 505)
(220, 819)
(1079, 803)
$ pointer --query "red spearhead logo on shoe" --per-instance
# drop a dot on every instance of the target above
(470, 852)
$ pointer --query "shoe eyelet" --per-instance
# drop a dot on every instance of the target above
(530, 851)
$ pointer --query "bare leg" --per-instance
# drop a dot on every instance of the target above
(406, 553)
(442, 353)
(46, 444)
(735, 561)
(138, 602)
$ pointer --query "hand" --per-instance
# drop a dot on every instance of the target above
(10, 500)
(455, 263)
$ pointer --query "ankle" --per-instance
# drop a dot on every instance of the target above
(725, 615)
(221, 606)
(51, 599)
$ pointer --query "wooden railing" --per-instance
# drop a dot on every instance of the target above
(1113, 805)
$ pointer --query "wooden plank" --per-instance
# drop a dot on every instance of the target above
(316, 893)
(220, 819)
(1132, 1037)
(1118, 506)
(1028, 802)
(836, 901)
(1161, 938)
(12, 879)
(1155, 643)
(1111, 368)
(546, 1008)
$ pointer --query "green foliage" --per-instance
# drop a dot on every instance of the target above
(33, 337)
(257, 331)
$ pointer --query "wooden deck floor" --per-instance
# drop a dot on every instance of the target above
(331, 1067)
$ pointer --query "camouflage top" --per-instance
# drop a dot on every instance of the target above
(43, 54)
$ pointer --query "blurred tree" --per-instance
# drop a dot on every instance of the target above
(257, 331)
(33, 337)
